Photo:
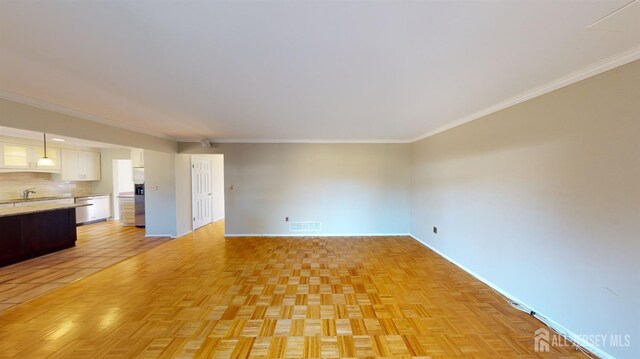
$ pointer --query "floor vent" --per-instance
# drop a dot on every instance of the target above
(305, 226)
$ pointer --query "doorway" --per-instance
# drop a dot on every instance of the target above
(207, 189)
(201, 190)
(122, 184)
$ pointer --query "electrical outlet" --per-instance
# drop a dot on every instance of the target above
(435, 229)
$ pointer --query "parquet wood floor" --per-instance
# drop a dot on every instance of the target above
(206, 296)
(99, 245)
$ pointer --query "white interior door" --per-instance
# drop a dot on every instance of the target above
(201, 191)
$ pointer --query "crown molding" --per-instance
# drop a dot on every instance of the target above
(43, 105)
(589, 71)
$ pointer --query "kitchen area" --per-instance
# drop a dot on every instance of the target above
(43, 174)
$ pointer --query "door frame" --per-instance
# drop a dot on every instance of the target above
(193, 192)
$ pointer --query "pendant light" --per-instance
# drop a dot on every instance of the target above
(45, 161)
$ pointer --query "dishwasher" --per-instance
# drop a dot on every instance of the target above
(98, 209)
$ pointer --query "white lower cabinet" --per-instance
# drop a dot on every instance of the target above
(127, 211)
(98, 208)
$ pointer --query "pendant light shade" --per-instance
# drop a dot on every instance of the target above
(45, 161)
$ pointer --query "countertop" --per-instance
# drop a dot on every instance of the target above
(15, 211)
(94, 195)
(20, 200)
(36, 199)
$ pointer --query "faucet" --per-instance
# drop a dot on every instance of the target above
(27, 192)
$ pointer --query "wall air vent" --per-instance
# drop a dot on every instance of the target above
(305, 226)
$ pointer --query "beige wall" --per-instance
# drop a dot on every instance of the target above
(543, 200)
(25, 117)
(45, 184)
(217, 182)
(350, 188)
(184, 221)
(160, 193)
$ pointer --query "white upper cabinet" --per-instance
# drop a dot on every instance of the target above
(20, 157)
(80, 165)
(89, 165)
(137, 158)
(74, 165)
(70, 165)
(52, 153)
(15, 156)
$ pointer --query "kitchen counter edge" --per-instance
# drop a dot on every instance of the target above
(17, 211)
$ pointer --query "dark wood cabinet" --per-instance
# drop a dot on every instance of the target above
(30, 235)
(11, 243)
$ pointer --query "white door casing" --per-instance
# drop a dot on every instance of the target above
(201, 191)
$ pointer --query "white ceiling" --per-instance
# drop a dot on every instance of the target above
(298, 70)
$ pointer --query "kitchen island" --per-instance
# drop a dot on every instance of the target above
(27, 232)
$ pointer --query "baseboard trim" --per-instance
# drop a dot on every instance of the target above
(553, 324)
(217, 219)
(159, 235)
(320, 235)
(183, 234)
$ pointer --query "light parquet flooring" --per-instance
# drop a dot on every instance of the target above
(206, 296)
(99, 245)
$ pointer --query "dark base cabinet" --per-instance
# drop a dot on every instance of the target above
(11, 244)
(30, 235)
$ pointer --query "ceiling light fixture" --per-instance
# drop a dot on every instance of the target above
(57, 139)
(45, 161)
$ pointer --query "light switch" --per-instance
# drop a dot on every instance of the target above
(153, 188)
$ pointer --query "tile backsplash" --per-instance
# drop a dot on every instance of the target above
(45, 184)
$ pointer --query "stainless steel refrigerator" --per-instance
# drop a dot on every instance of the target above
(139, 205)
